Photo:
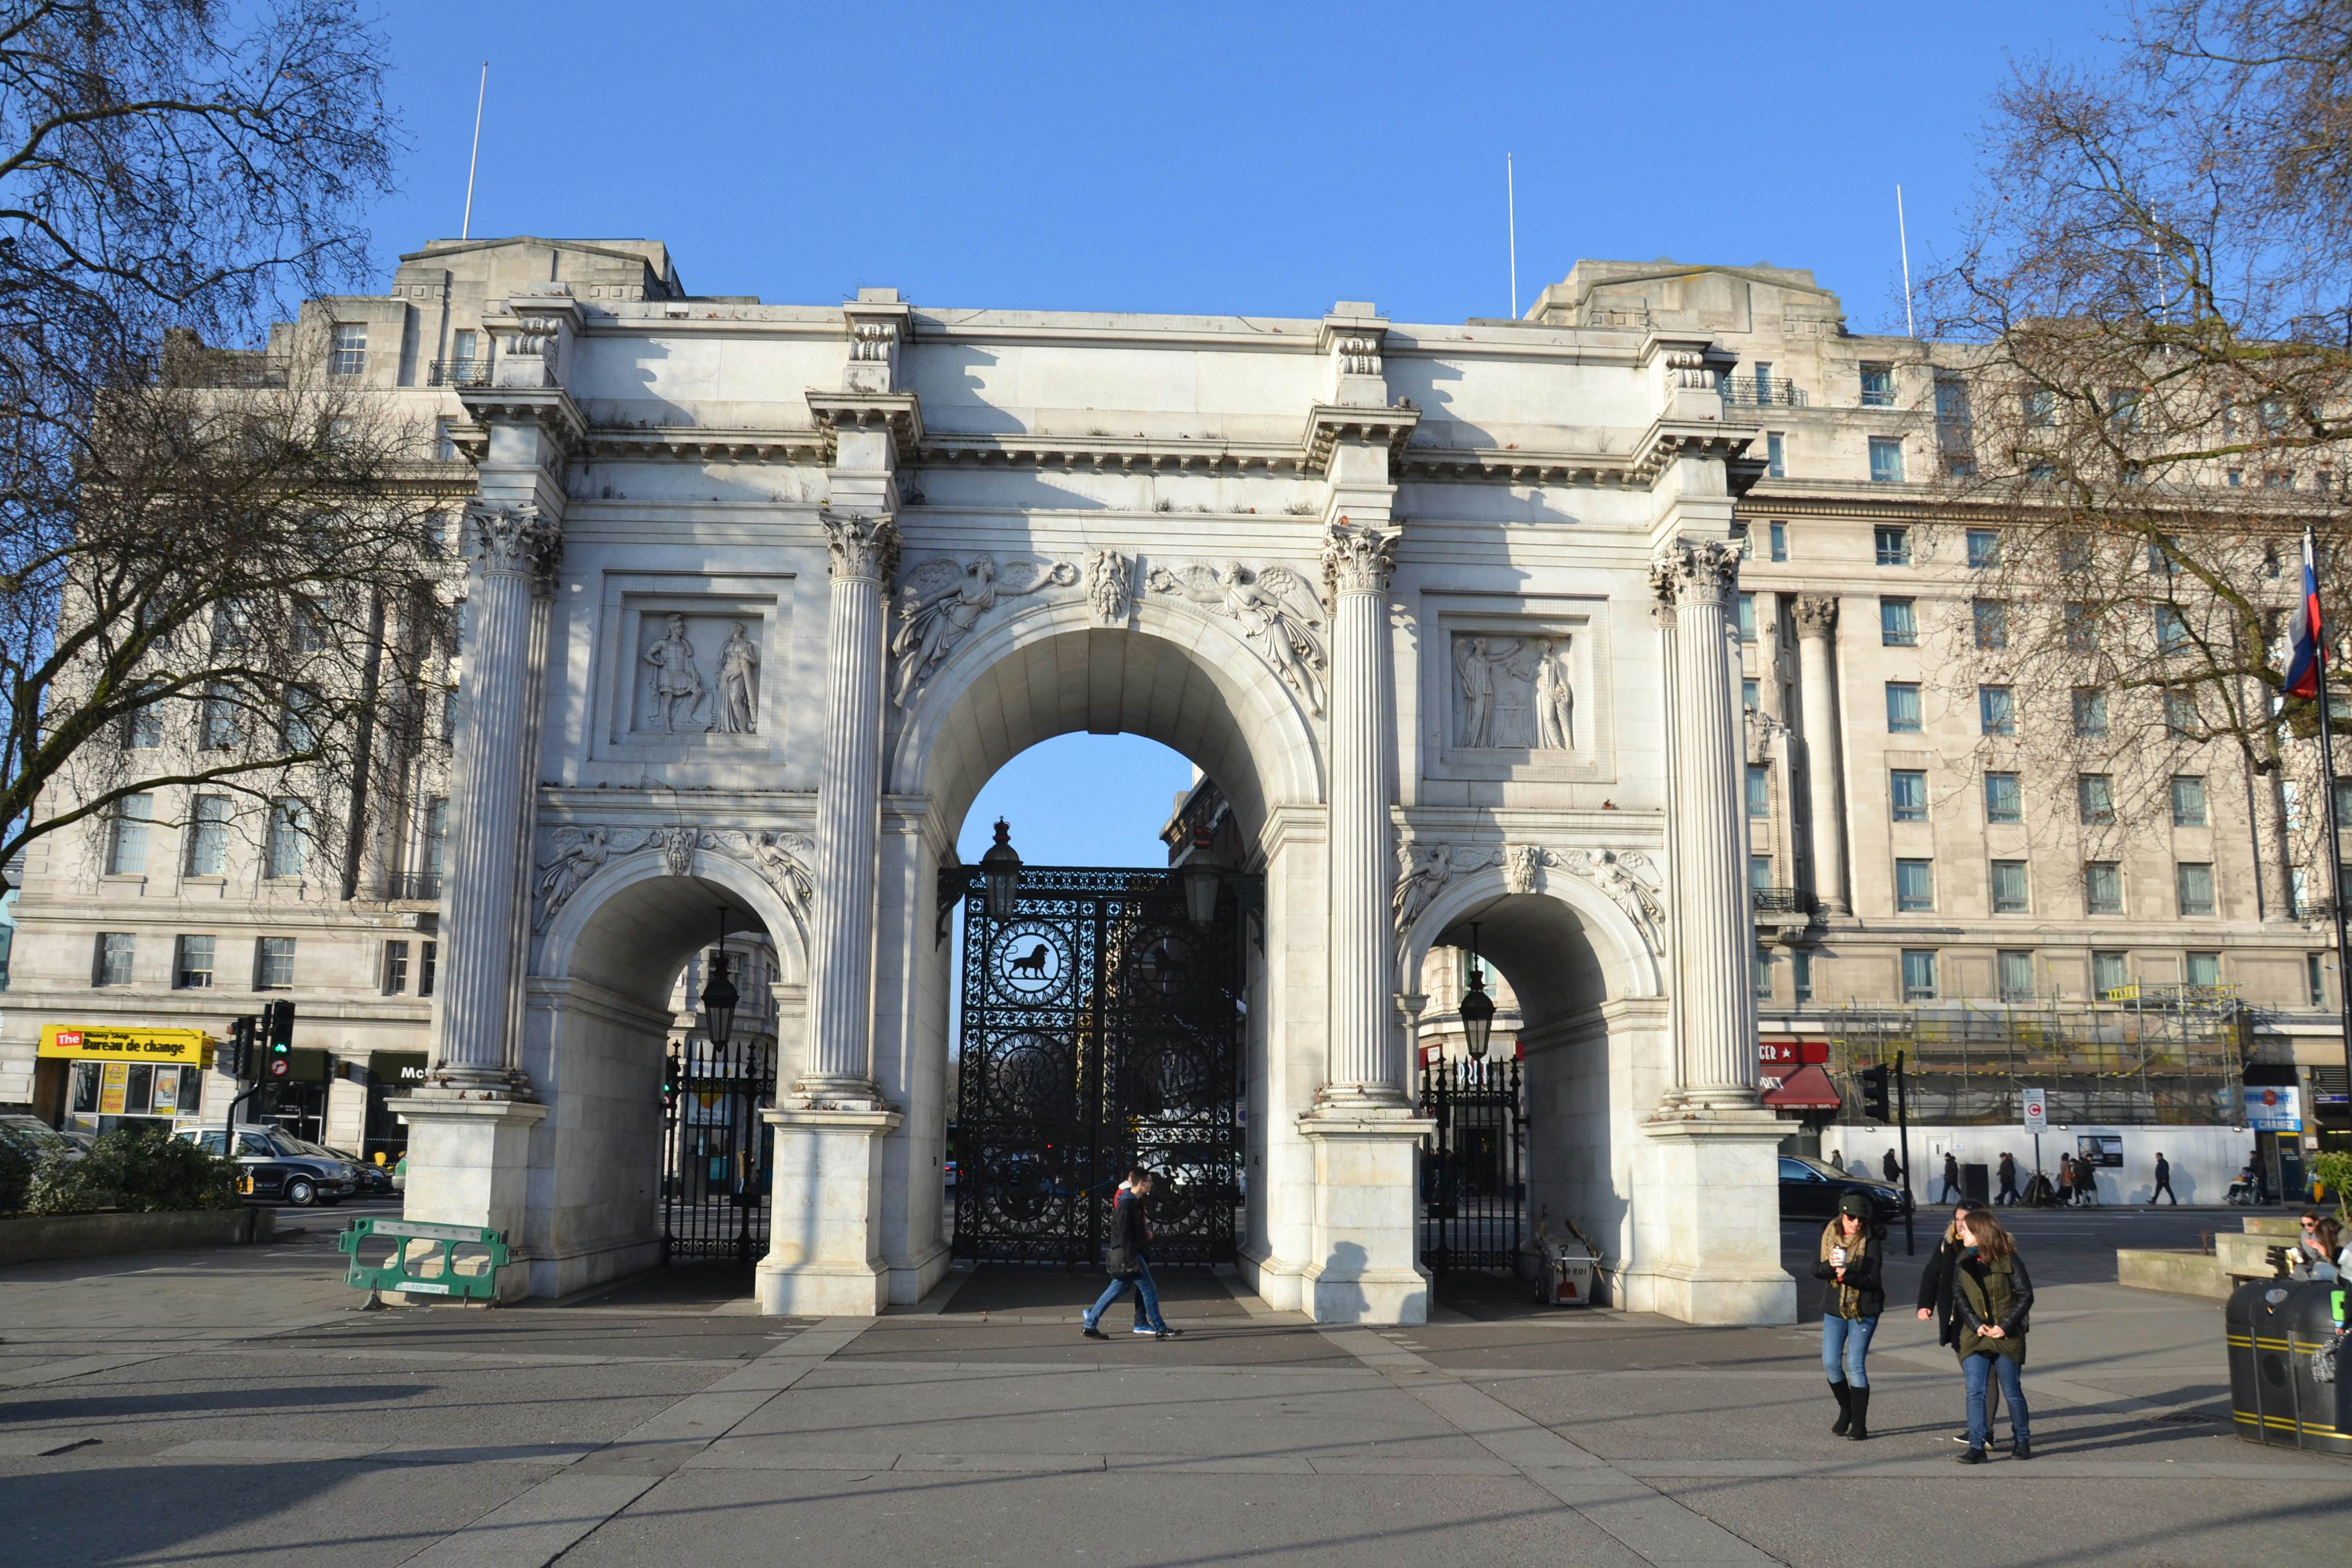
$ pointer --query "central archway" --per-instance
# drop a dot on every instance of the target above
(1174, 676)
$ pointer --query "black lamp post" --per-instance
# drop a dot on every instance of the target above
(719, 994)
(999, 873)
(1477, 1007)
(1200, 875)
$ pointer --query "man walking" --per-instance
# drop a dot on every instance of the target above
(1951, 1178)
(2008, 1194)
(1892, 1168)
(1130, 1262)
(2163, 1182)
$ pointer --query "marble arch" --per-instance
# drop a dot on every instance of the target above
(760, 596)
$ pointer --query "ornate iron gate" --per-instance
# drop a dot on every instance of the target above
(1473, 1186)
(715, 1150)
(1101, 1028)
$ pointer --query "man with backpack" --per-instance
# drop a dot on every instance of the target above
(1128, 1262)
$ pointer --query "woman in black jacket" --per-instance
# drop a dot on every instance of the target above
(1936, 1301)
(1852, 1301)
(1992, 1301)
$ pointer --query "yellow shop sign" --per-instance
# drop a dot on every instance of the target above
(191, 1048)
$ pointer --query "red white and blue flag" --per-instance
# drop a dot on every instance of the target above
(2302, 661)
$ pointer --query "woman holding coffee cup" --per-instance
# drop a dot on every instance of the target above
(1851, 1303)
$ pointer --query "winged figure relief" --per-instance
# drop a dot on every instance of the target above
(580, 853)
(1276, 608)
(941, 600)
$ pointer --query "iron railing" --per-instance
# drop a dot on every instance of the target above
(1780, 901)
(1474, 1179)
(457, 373)
(1761, 392)
(415, 886)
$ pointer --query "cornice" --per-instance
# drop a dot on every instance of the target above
(550, 408)
(900, 412)
(1667, 440)
(687, 443)
(1330, 424)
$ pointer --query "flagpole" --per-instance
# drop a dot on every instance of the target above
(2334, 827)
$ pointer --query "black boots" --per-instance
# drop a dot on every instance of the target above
(1845, 1394)
(1861, 1398)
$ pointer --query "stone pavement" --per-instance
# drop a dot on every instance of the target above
(229, 1407)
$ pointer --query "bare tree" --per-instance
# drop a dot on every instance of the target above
(2146, 395)
(200, 552)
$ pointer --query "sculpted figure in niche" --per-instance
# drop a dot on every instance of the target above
(676, 680)
(1514, 693)
(739, 671)
(1554, 700)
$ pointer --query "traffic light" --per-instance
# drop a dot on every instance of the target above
(276, 1042)
(244, 1063)
(1875, 1103)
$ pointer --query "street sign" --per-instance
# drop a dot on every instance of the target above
(2037, 1110)
(2274, 1108)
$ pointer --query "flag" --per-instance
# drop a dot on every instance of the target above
(2302, 661)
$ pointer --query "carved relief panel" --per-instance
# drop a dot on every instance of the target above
(1518, 690)
(689, 665)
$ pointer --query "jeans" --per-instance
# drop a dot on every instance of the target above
(1845, 1343)
(1147, 1299)
(2008, 1194)
(1981, 1370)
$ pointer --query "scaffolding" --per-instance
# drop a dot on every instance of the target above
(2142, 1054)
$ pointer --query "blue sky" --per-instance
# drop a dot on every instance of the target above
(1261, 159)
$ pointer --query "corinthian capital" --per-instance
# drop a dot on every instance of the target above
(513, 541)
(1358, 559)
(1816, 614)
(862, 546)
(1695, 571)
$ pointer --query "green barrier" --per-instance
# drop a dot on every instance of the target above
(418, 1258)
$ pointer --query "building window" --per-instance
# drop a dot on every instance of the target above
(2003, 800)
(1906, 790)
(192, 966)
(273, 963)
(1877, 385)
(2041, 408)
(1898, 624)
(432, 844)
(444, 446)
(2298, 890)
(2010, 896)
(1763, 975)
(1776, 456)
(2194, 879)
(2082, 628)
(115, 951)
(2110, 972)
(1760, 873)
(2204, 971)
(350, 357)
(2315, 979)
(297, 726)
(2096, 795)
(2171, 631)
(223, 722)
(1991, 621)
(2187, 801)
(2103, 888)
(1759, 790)
(2343, 805)
(2122, 408)
(126, 847)
(1747, 617)
(1886, 460)
(1800, 974)
(1748, 696)
(2291, 804)
(2016, 976)
(288, 849)
(208, 836)
(395, 968)
(1778, 533)
(428, 966)
(2089, 712)
(2181, 717)
(1914, 886)
(1918, 975)
(143, 729)
(1997, 710)
(1984, 548)
(1902, 707)
(1894, 545)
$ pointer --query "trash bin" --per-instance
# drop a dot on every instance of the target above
(2272, 1327)
(1564, 1272)
(1975, 1183)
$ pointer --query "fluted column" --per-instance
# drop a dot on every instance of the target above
(1697, 578)
(1362, 1066)
(864, 553)
(1817, 699)
(514, 549)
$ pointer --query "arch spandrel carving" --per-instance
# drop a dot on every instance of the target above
(722, 857)
(1630, 952)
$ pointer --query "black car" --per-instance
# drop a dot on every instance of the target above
(1811, 1189)
(274, 1164)
(375, 1181)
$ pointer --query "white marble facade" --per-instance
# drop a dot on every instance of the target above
(762, 595)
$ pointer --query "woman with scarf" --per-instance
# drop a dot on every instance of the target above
(1992, 1299)
(1851, 1302)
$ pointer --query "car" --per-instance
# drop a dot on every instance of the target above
(1811, 1189)
(375, 1181)
(272, 1163)
(399, 1175)
(39, 1140)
